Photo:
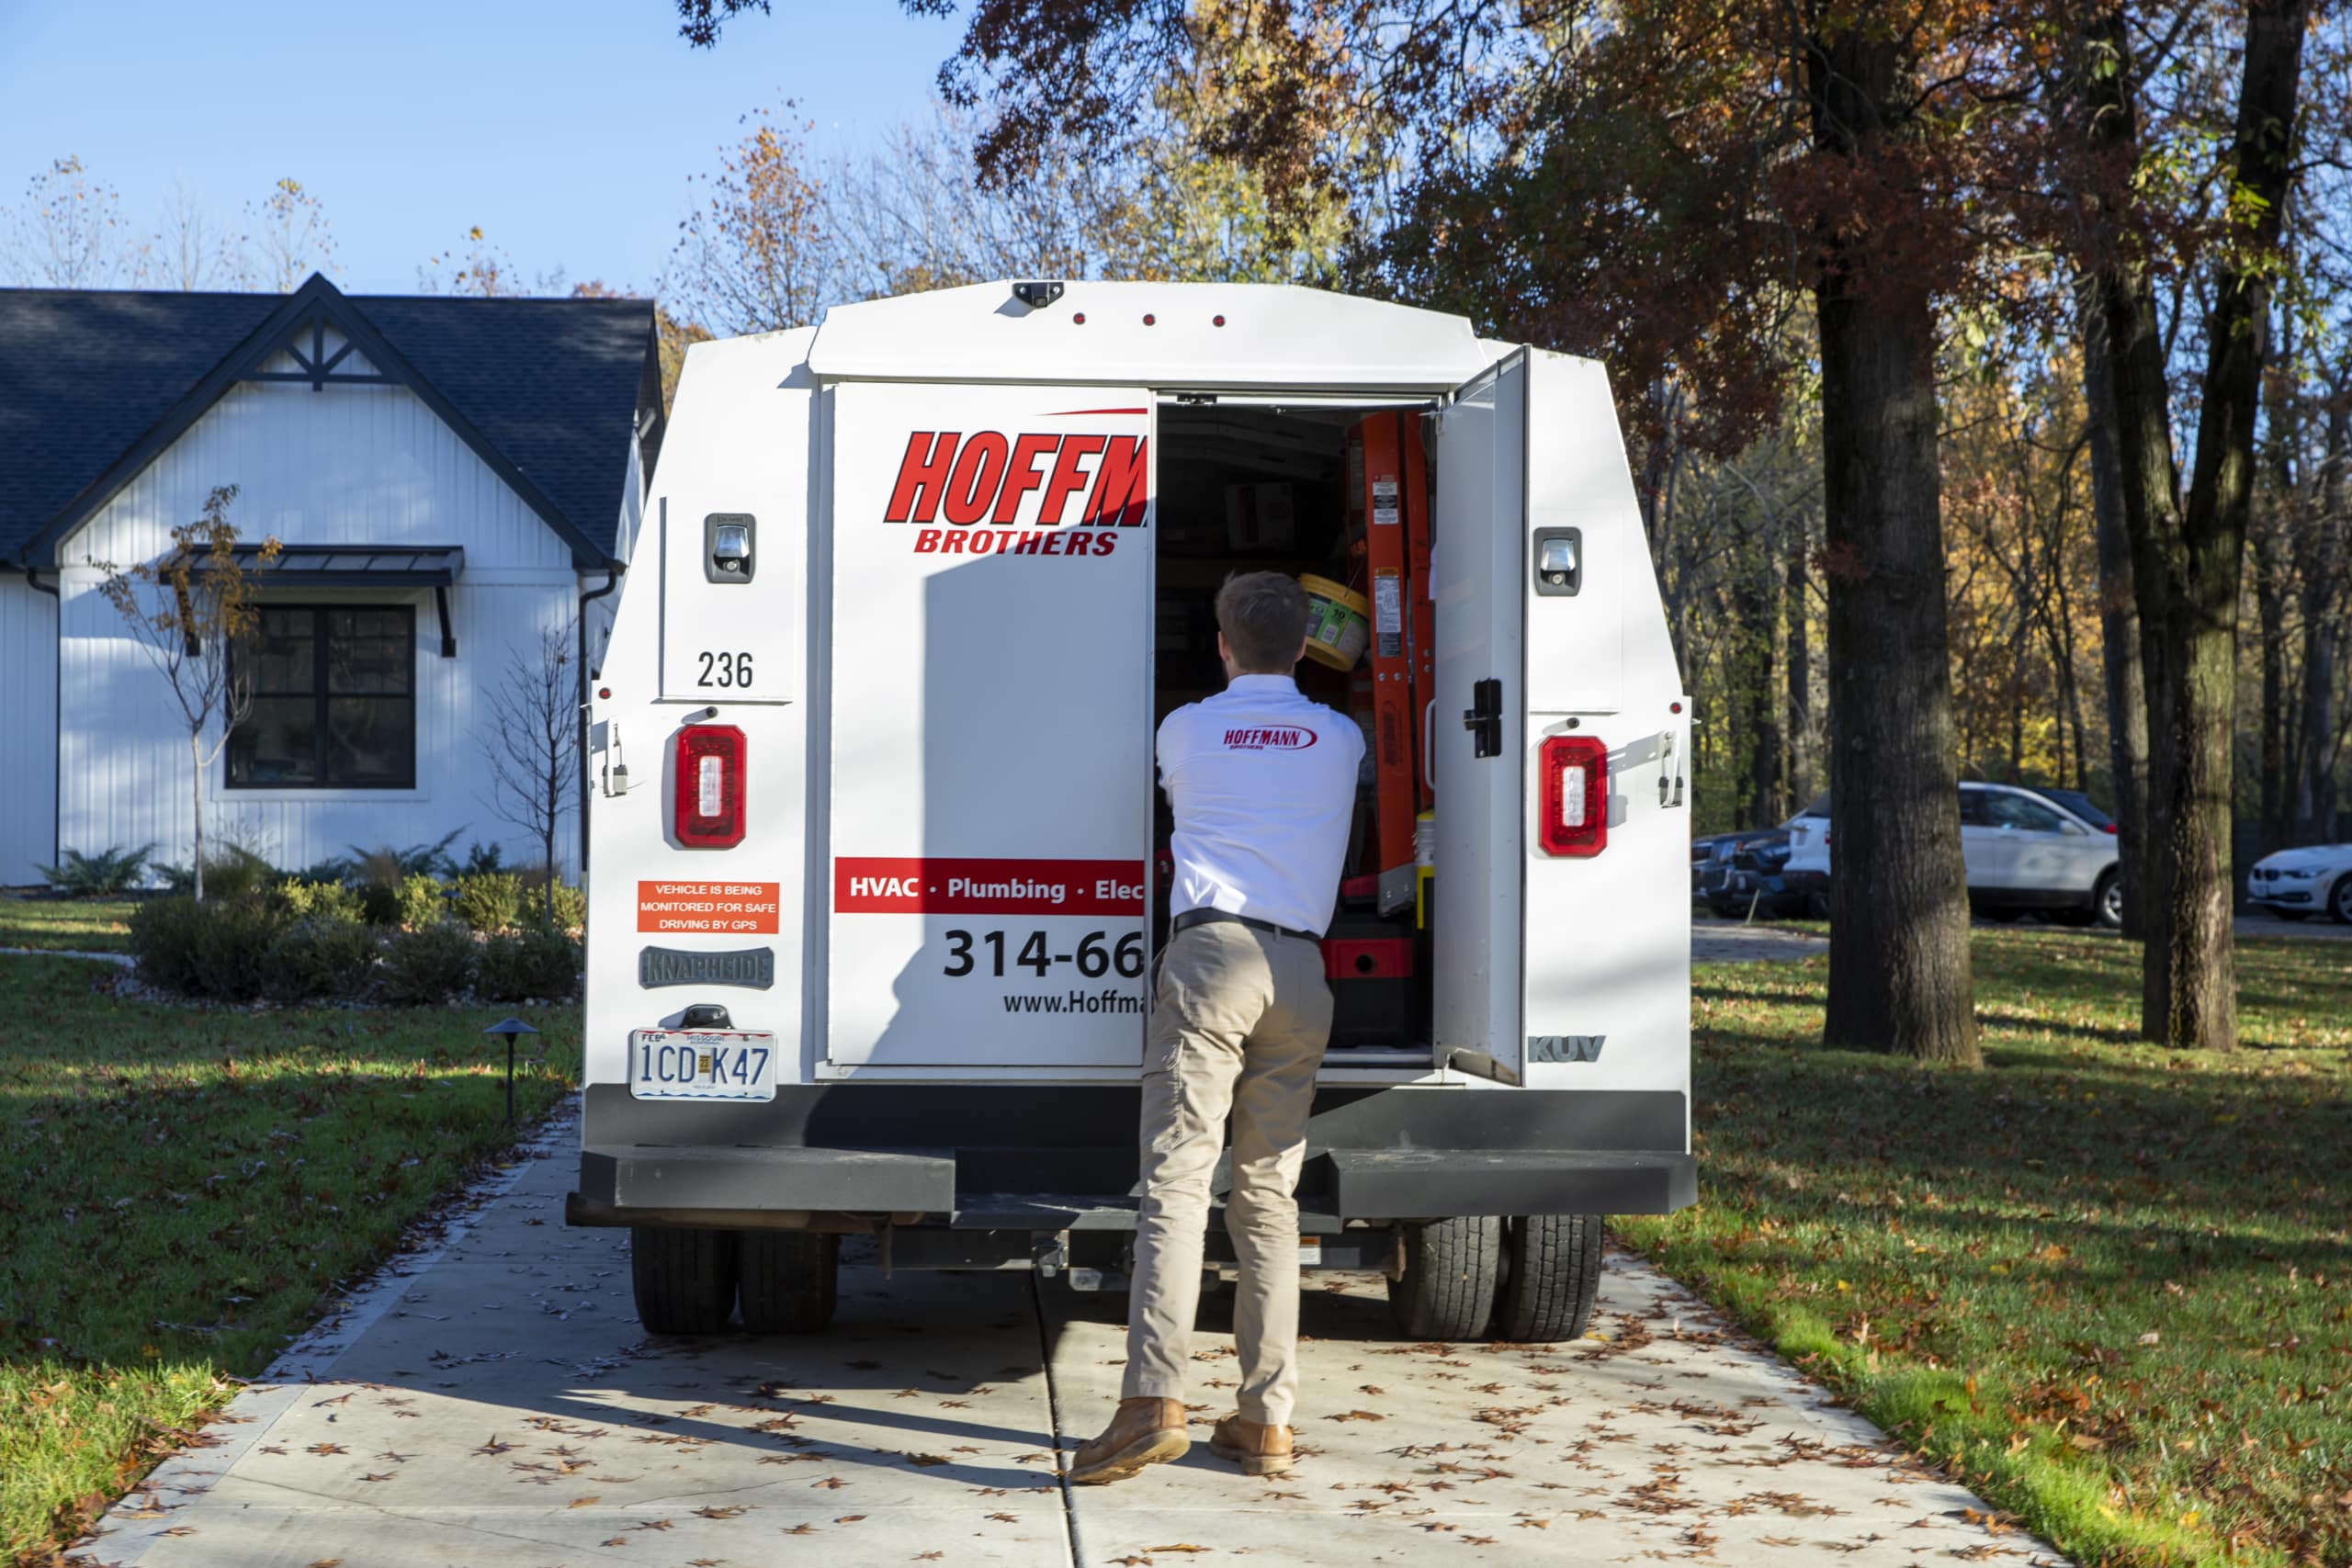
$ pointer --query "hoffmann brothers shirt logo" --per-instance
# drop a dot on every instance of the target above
(1269, 739)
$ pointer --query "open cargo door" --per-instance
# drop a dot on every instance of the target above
(1476, 723)
(991, 690)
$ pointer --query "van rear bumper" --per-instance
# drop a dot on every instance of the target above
(1005, 1157)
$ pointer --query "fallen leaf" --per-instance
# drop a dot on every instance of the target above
(385, 1475)
(1356, 1416)
(925, 1461)
(586, 1502)
(731, 1511)
(831, 1484)
(326, 1449)
(1181, 1546)
(849, 1518)
(1006, 1518)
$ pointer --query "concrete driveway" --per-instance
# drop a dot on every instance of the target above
(492, 1401)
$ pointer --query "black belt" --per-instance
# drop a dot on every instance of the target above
(1191, 918)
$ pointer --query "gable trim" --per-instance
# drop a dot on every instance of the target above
(323, 299)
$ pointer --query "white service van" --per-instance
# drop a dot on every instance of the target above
(875, 837)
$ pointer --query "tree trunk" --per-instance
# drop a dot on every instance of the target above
(195, 798)
(1798, 722)
(2315, 795)
(2151, 490)
(1754, 601)
(1899, 972)
(2118, 618)
(2201, 621)
(2277, 800)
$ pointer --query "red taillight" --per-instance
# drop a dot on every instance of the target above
(1575, 809)
(2110, 827)
(706, 812)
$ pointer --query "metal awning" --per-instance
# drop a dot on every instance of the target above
(362, 565)
(354, 566)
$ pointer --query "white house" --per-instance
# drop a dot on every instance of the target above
(448, 478)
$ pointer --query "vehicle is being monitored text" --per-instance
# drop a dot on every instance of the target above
(878, 855)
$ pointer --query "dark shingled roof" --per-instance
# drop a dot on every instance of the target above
(553, 387)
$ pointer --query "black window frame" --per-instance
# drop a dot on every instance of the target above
(322, 694)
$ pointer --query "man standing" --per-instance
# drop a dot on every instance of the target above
(1262, 783)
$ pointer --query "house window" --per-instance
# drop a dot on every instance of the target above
(334, 699)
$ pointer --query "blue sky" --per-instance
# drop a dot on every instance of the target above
(566, 129)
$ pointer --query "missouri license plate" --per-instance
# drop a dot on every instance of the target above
(702, 1064)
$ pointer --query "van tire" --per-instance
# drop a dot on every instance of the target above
(1551, 1272)
(1451, 1268)
(683, 1280)
(791, 1279)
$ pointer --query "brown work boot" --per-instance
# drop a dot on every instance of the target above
(1145, 1431)
(1258, 1449)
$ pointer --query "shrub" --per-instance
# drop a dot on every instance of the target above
(93, 876)
(535, 964)
(488, 901)
(231, 872)
(480, 858)
(162, 940)
(218, 948)
(324, 956)
(421, 901)
(431, 964)
(302, 900)
(566, 911)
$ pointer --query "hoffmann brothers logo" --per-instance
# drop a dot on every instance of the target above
(978, 485)
(1269, 739)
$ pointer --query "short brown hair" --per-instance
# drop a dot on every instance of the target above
(1263, 617)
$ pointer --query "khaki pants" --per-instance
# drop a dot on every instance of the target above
(1238, 1025)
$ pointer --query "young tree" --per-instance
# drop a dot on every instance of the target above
(185, 608)
(291, 237)
(533, 744)
(68, 232)
(756, 254)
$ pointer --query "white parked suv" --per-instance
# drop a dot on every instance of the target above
(2046, 849)
(2294, 884)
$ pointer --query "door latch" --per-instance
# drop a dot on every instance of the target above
(1484, 718)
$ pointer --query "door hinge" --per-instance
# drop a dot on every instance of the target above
(1484, 718)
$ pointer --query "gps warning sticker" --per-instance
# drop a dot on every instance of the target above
(714, 908)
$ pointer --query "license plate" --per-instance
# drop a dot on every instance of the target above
(679, 1063)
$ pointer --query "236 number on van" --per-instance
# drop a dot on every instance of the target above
(727, 670)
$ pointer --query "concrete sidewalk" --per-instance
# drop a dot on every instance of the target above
(494, 1403)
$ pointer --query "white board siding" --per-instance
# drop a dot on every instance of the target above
(345, 466)
(348, 465)
(28, 730)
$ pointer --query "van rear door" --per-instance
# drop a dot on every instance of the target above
(990, 721)
(1555, 920)
(1477, 727)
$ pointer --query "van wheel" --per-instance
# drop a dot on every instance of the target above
(1451, 1268)
(790, 1280)
(2106, 902)
(1551, 1271)
(683, 1280)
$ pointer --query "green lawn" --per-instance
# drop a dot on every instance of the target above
(182, 1189)
(2108, 1283)
(74, 925)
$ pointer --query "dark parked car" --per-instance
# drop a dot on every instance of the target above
(1711, 863)
(1759, 881)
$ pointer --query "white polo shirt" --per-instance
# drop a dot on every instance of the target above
(1262, 782)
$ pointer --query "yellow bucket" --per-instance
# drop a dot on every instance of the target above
(1339, 623)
